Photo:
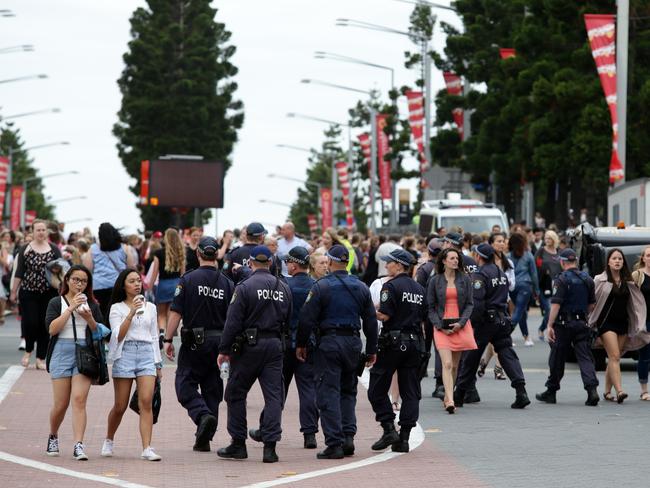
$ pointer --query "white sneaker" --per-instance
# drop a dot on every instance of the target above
(150, 455)
(78, 452)
(22, 345)
(529, 343)
(107, 448)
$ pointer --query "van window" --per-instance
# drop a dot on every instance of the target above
(426, 224)
(633, 212)
(616, 214)
(473, 224)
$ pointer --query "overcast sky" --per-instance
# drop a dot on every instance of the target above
(79, 45)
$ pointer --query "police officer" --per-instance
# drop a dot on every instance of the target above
(491, 325)
(258, 312)
(201, 300)
(455, 240)
(237, 263)
(425, 271)
(300, 283)
(332, 310)
(402, 309)
(573, 299)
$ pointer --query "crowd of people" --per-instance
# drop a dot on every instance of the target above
(471, 287)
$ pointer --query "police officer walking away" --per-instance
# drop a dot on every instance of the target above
(573, 299)
(201, 300)
(258, 312)
(402, 309)
(240, 257)
(300, 283)
(491, 325)
(332, 311)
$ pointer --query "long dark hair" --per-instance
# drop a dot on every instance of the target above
(65, 288)
(119, 293)
(625, 270)
(440, 265)
(517, 244)
(505, 263)
(109, 237)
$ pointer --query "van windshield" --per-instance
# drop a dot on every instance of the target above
(470, 223)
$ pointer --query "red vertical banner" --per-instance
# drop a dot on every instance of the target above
(326, 207)
(416, 121)
(312, 222)
(144, 182)
(455, 87)
(30, 217)
(4, 170)
(507, 52)
(384, 166)
(364, 141)
(16, 206)
(344, 183)
(601, 31)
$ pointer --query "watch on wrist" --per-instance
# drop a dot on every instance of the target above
(168, 341)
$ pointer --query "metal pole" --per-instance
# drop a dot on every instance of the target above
(427, 102)
(23, 204)
(7, 210)
(333, 165)
(197, 217)
(350, 164)
(622, 40)
(373, 167)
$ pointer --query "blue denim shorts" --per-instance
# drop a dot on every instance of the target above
(165, 290)
(137, 360)
(63, 363)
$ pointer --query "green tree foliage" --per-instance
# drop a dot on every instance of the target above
(541, 116)
(11, 141)
(177, 90)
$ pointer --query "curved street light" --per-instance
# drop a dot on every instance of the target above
(274, 202)
(23, 78)
(54, 110)
(33, 178)
(318, 187)
(295, 148)
(16, 49)
(349, 59)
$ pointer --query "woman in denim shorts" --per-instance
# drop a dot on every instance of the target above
(133, 348)
(67, 384)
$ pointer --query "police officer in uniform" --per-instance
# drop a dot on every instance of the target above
(300, 283)
(425, 271)
(237, 263)
(332, 310)
(257, 317)
(402, 309)
(491, 325)
(201, 300)
(573, 299)
(455, 240)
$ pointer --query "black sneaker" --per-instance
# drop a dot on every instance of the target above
(52, 445)
(335, 452)
(78, 452)
(255, 434)
(269, 455)
(592, 397)
(521, 400)
(236, 450)
(547, 396)
(310, 441)
(348, 445)
(204, 433)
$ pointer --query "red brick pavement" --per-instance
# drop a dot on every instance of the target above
(24, 428)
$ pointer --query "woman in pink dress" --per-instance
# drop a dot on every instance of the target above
(450, 301)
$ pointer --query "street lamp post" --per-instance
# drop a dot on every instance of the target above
(68, 199)
(23, 203)
(318, 187)
(34, 112)
(274, 202)
(15, 49)
(295, 148)
(23, 78)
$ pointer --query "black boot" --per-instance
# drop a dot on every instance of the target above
(348, 445)
(204, 433)
(310, 441)
(236, 450)
(521, 400)
(439, 392)
(592, 397)
(269, 455)
(402, 445)
(471, 396)
(548, 396)
(390, 436)
(459, 398)
(335, 452)
(255, 434)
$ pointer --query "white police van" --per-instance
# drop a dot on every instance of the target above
(472, 216)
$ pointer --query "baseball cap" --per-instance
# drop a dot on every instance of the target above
(435, 246)
(399, 256)
(208, 246)
(454, 237)
(298, 255)
(255, 229)
(568, 255)
(261, 254)
(484, 250)
(157, 234)
(338, 253)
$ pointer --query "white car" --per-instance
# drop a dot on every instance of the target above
(472, 216)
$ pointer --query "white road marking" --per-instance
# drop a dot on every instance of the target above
(9, 379)
(417, 438)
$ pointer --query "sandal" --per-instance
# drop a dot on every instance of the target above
(40, 364)
(499, 374)
(482, 365)
(620, 398)
(609, 397)
(645, 396)
(451, 408)
(25, 360)
(396, 406)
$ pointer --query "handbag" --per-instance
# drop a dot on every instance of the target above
(155, 404)
(86, 357)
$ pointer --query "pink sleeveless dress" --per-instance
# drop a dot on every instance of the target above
(463, 340)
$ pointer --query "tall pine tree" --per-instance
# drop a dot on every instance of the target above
(177, 91)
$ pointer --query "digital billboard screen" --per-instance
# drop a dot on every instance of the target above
(186, 183)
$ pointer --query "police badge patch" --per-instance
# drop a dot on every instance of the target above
(478, 284)
(178, 290)
(554, 290)
(308, 297)
(384, 295)
(234, 295)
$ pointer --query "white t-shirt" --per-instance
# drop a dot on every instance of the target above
(143, 328)
(284, 246)
(80, 322)
(384, 250)
(375, 294)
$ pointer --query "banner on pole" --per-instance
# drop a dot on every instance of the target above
(416, 121)
(344, 184)
(4, 171)
(384, 166)
(364, 142)
(312, 222)
(16, 206)
(601, 31)
(144, 182)
(326, 207)
(506, 52)
(30, 217)
(455, 88)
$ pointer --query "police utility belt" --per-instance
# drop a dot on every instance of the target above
(566, 317)
(196, 336)
(250, 337)
(497, 317)
(397, 339)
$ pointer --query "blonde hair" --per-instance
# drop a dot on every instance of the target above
(174, 251)
(553, 235)
(312, 262)
(640, 264)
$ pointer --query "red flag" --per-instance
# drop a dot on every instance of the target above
(312, 222)
(416, 121)
(30, 217)
(16, 206)
(144, 182)
(4, 170)
(455, 88)
(384, 166)
(506, 53)
(601, 30)
(364, 141)
(326, 207)
(344, 183)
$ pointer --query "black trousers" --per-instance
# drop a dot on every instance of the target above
(104, 298)
(484, 334)
(407, 364)
(34, 306)
(574, 334)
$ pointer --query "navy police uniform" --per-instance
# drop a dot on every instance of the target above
(574, 292)
(201, 298)
(401, 350)
(491, 324)
(259, 310)
(242, 255)
(332, 310)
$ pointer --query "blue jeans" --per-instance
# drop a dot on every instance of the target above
(521, 298)
(643, 364)
(545, 305)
